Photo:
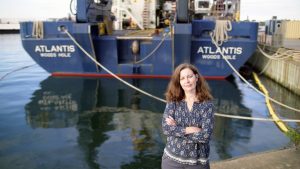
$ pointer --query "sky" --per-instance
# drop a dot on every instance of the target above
(259, 10)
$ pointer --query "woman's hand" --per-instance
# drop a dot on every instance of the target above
(170, 121)
(190, 130)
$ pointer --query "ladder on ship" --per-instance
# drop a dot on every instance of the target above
(146, 14)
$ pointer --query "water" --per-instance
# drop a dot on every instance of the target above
(89, 123)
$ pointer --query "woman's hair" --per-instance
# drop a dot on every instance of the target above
(176, 93)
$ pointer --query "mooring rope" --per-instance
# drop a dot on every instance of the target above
(249, 84)
(108, 71)
(38, 29)
(154, 50)
(278, 55)
(265, 67)
(255, 118)
(220, 33)
(155, 97)
(15, 70)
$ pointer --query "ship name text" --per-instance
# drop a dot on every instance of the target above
(55, 50)
(230, 53)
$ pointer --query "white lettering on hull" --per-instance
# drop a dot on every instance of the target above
(230, 53)
(53, 51)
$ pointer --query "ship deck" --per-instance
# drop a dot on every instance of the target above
(137, 34)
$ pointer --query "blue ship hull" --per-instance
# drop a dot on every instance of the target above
(190, 43)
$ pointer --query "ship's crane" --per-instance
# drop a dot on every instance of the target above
(93, 10)
(209, 9)
(188, 9)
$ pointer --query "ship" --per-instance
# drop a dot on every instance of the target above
(142, 39)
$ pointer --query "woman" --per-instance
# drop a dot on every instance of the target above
(188, 120)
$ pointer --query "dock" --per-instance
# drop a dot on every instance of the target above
(279, 159)
(9, 28)
(278, 53)
(285, 72)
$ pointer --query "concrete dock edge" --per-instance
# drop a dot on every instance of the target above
(276, 159)
(285, 72)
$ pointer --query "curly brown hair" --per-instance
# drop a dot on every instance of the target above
(175, 92)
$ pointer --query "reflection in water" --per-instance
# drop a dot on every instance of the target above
(100, 123)
(55, 105)
(120, 128)
(227, 131)
(285, 96)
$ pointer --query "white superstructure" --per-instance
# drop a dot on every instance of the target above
(140, 13)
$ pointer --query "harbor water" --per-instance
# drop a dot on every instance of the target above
(92, 123)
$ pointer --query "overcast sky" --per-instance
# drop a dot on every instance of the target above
(41, 9)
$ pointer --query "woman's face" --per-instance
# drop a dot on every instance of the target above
(188, 80)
